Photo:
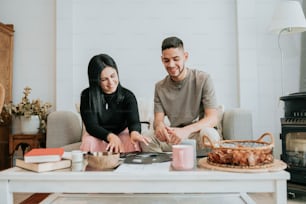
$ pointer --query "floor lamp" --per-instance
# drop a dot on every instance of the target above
(288, 18)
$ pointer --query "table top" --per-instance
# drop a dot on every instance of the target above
(145, 178)
(161, 171)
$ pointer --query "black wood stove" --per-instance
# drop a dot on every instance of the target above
(293, 138)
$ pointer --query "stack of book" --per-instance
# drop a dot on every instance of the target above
(43, 159)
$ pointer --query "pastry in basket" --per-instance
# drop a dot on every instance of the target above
(103, 160)
(241, 153)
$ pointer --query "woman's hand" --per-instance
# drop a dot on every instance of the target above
(137, 137)
(114, 144)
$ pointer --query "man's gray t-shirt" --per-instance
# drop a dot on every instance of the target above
(184, 102)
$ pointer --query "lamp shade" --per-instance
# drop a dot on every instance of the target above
(288, 17)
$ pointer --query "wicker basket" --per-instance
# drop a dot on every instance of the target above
(103, 160)
(241, 152)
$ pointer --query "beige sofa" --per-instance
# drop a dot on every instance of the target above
(64, 128)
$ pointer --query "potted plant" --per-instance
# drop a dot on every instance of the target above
(28, 111)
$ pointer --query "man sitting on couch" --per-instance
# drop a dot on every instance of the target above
(187, 97)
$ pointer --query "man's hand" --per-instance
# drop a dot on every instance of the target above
(177, 134)
(181, 132)
(162, 133)
(137, 137)
(174, 137)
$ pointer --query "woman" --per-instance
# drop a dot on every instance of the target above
(109, 111)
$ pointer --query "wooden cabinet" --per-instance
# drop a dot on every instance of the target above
(25, 141)
(6, 78)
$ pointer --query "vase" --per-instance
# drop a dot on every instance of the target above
(16, 124)
(29, 125)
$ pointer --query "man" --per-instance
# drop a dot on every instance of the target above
(186, 96)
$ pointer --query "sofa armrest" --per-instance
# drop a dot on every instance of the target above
(63, 128)
(237, 124)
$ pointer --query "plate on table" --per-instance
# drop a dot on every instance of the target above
(147, 158)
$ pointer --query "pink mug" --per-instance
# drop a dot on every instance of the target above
(182, 157)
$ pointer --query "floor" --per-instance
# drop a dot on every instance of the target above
(263, 198)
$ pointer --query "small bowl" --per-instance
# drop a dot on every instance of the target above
(103, 160)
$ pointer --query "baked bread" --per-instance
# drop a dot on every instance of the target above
(243, 153)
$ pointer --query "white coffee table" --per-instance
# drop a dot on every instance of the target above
(228, 198)
(143, 180)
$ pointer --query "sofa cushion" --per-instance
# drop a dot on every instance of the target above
(219, 126)
(69, 126)
(73, 146)
(237, 124)
(77, 108)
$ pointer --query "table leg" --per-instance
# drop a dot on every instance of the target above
(280, 194)
(5, 195)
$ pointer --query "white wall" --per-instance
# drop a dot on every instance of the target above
(132, 31)
(34, 46)
(55, 39)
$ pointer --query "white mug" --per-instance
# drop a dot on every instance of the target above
(77, 166)
(76, 156)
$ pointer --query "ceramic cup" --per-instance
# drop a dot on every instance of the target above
(194, 146)
(77, 166)
(182, 157)
(76, 156)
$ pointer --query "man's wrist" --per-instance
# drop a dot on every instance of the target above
(159, 125)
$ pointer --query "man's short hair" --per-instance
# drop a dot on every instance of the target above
(172, 42)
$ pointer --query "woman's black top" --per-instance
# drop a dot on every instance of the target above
(116, 116)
